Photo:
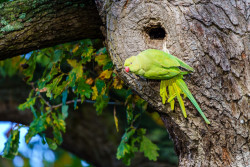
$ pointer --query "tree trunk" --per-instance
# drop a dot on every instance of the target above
(211, 36)
(27, 25)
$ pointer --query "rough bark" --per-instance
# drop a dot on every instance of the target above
(90, 137)
(211, 36)
(27, 25)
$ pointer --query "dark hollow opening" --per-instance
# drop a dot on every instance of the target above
(156, 33)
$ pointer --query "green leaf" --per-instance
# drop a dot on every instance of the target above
(122, 150)
(57, 55)
(49, 94)
(125, 151)
(77, 69)
(51, 143)
(73, 63)
(87, 53)
(141, 132)
(84, 89)
(102, 51)
(64, 97)
(53, 87)
(10, 67)
(65, 111)
(58, 123)
(11, 146)
(1, 1)
(48, 77)
(99, 85)
(142, 105)
(72, 79)
(58, 126)
(103, 59)
(149, 149)
(129, 113)
(43, 59)
(57, 136)
(59, 89)
(101, 103)
(28, 72)
(129, 133)
(37, 125)
(33, 110)
(109, 65)
(29, 102)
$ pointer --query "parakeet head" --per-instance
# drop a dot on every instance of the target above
(131, 64)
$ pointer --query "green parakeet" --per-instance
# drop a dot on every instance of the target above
(157, 64)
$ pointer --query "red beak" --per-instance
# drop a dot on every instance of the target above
(127, 69)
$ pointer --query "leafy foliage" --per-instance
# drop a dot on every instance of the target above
(135, 140)
(74, 73)
(11, 146)
(149, 149)
(1, 1)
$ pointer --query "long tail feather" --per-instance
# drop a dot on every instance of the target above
(163, 91)
(177, 91)
(182, 85)
(172, 95)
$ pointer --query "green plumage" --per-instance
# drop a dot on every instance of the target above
(156, 64)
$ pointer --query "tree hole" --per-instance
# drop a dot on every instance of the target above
(156, 32)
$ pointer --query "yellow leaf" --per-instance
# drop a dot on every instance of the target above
(75, 49)
(105, 74)
(117, 84)
(94, 93)
(48, 108)
(116, 120)
(136, 98)
(77, 67)
(48, 119)
(73, 63)
(102, 59)
(61, 124)
(128, 100)
(156, 117)
(89, 81)
(88, 53)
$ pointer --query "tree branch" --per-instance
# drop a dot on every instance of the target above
(39, 24)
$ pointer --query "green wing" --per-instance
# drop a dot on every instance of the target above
(158, 58)
(161, 73)
(164, 59)
(182, 63)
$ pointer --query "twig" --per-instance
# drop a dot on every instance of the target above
(68, 102)
(86, 101)
(46, 102)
